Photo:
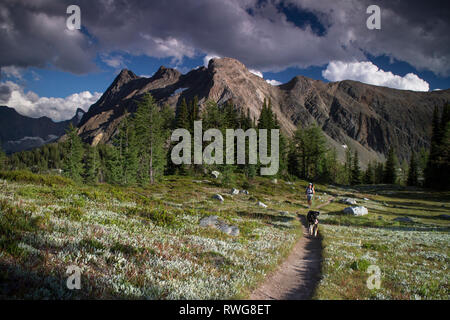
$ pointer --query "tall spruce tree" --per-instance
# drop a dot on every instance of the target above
(73, 155)
(91, 164)
(413, 175)
(390, 169)
(150, 136)
(369, 175)
(355, 170)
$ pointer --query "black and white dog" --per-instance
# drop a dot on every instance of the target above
(313, 222)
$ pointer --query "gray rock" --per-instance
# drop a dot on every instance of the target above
(404, 219)
(234, 231)
(356, 211)
(284, 213)
(365, 199)
(262, 205)
(234, 191)
(218, 197)
(215, 174)
(289, 183)
(349, 201)
(214, 222)
(210, 221)
(245, 192)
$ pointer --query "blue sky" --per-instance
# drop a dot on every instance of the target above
(48, 70)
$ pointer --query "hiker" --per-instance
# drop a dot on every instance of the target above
(310, 193)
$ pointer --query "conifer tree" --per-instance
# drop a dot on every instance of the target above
(182, 116)
(2, 158)
(73, 156)
(369, 176)
(150, 136)
(91, 165)
(355, 171)
(390, 174)
(413, 172)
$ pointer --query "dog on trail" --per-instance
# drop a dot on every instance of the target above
(313, 222)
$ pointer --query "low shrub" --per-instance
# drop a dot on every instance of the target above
(29, 177)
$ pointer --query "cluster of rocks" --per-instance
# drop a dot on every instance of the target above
(214, 222)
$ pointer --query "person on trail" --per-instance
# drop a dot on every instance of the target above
(310, 193)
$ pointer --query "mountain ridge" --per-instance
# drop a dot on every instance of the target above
(20, 133)
(364, 117)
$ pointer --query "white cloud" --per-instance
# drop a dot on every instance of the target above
(367, 72)
(209, 57)
(30, 104)
(274, 82)
(114, 61)
(12, 72)
(256, 73)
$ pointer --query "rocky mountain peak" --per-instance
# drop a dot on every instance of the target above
(166, 73)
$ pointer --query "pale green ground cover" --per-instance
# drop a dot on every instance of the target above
(145, 243)
(413, 257)
(142, 243)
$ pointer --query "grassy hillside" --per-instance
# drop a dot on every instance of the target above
(147, 242)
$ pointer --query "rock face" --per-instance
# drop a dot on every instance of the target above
(368, 118)
(356, 211)
(19, 133)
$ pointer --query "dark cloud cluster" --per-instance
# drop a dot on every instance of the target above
(264, 34)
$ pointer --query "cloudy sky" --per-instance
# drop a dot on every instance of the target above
(49, 70)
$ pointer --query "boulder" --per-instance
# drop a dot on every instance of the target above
(356, 211)
(284, 213)
(245, 192)
(215, 174)
(218, 197)
(214, 222)
(262, 205)
(210, 221)
(349, 201)
(234, 191)
(404, 219)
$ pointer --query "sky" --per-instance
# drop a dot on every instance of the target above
(48, 70)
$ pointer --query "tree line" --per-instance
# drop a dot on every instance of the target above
(140, 150)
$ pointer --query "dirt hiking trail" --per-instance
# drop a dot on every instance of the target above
(297, 277)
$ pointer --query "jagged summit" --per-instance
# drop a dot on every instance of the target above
(367, 118)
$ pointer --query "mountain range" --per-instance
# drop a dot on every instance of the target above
(365, 118)
(19, 132)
